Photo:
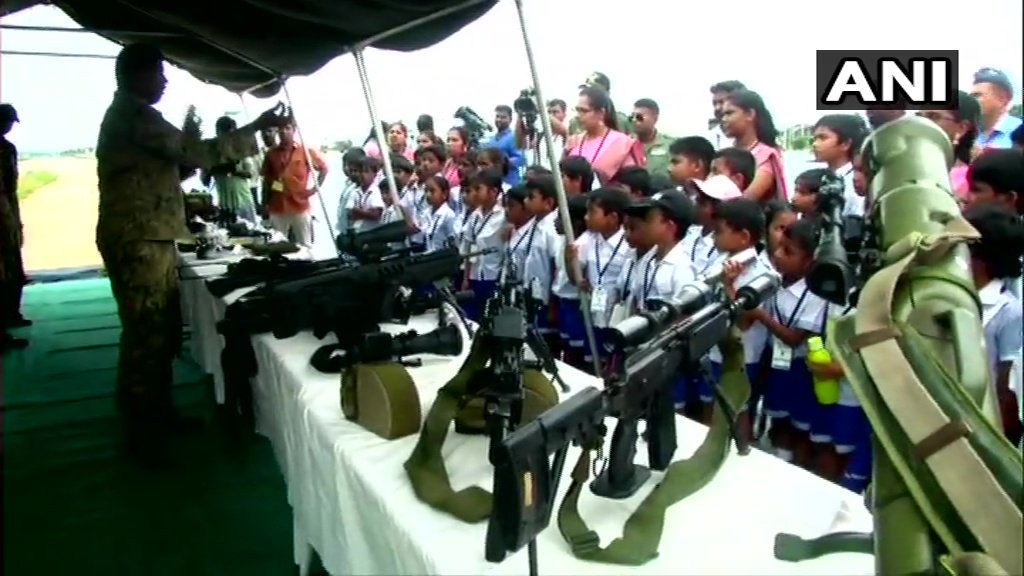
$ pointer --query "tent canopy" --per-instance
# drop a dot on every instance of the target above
(248, 45)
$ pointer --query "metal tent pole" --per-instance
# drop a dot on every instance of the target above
(309, 164)
(371, 106)
(563, 203)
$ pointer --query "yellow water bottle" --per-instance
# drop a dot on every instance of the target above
(825, 389)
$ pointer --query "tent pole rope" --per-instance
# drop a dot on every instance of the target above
(378, 131)
(309, 164)
(563, 203)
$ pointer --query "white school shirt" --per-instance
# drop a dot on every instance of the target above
(853, 204)
(699, 248)
(368, 200)
(346, 202)
(391, 214)
(519, 248)
(455, 199)
(1002, 320)
(661, 279)
(796, 302)
(540, 262)
(755, 338)
(602, 260)
(484, 231)
(560, 284)
(414, 200)
(440, 228)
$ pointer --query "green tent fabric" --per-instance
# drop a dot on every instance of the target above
(247, 45)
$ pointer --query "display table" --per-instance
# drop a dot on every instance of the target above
(354, 505)
(201, 312)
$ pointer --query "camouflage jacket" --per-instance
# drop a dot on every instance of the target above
(138, 156)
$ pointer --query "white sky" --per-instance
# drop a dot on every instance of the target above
(681, 49)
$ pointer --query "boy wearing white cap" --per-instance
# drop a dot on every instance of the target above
(699, 242)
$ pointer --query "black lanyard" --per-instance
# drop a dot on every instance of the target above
(796, 310)
(435, 224)
(483, 222)
(700, 238)
(597, 259)
(650, 276)
(629, 276)
(528, 237)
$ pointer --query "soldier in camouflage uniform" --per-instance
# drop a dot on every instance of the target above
(12, 269)
(599, 80)
(141, 214)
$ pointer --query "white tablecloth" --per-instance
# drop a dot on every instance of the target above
(354, 505)
(201, 312)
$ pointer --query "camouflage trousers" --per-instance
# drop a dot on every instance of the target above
(144, 280)
(12, 268)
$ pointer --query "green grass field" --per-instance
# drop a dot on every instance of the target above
(33, 180)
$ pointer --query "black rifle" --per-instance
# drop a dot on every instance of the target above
(525, 481)
(349, 301)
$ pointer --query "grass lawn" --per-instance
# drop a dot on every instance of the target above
(33, 180)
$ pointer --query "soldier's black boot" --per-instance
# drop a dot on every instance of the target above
(144, 436)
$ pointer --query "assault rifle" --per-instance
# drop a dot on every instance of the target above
(349, 301)
(525, 481)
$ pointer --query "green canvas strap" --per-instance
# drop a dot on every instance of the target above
(425, 466)
(792, 548)
(642, 531)
(940, 442)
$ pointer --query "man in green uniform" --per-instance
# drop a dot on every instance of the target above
(599, 80)
(656, 143)
(141, 214)
(12, 269)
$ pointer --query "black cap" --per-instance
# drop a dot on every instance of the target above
(993, 76)
(599, 80)
(8, 113)
(676, 206)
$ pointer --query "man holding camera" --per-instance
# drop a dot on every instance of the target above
(528, 129)
(505, 140)
(645, 127)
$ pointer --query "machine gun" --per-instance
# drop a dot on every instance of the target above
(355, 247)
(913, 353)
(525, 481)
(349, 301)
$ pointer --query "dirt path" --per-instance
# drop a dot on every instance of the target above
(60, 218)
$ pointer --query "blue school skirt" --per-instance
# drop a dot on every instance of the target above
(570, 323)
(482, 291)
(707, 393)
(790, 394)
(851, 434)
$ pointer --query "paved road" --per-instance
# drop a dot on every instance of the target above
(60, 218)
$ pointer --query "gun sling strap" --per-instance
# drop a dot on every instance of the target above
(941, 442)
(642, 531)
(425, 466)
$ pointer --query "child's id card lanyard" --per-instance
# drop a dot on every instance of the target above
(599, 297)
(782, 354)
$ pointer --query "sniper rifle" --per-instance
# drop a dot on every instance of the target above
(526, 482)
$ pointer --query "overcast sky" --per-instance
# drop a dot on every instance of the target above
(682, 48)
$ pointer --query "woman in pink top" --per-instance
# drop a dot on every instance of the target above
(961, 125)
(602, 144)
(746, 120)
(398, 141)
(458, 146)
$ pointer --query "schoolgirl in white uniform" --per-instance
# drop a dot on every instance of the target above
(995, 257)
(699, 242)
(484, 229)
(791, 315)
(440, 228)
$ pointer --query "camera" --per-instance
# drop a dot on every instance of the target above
(525, 106)
(475, 125)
